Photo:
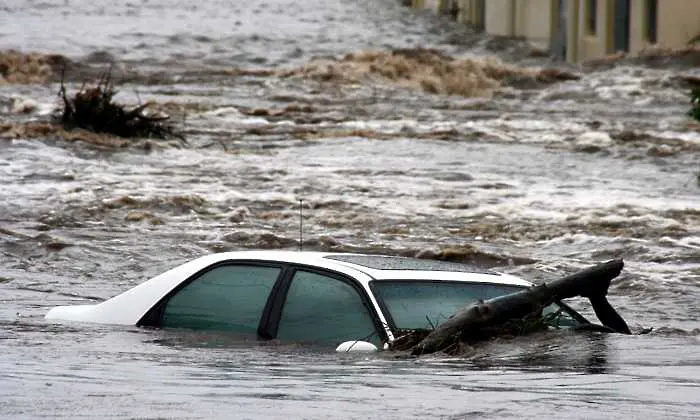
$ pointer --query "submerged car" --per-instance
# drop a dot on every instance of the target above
(353, 301)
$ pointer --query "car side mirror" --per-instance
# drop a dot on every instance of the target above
(355, 346)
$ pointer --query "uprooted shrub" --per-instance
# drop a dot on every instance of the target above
(92, 108)
(694, 111)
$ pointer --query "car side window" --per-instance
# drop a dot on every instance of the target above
(226, 298)
(324, 309)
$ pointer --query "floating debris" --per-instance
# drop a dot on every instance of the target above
(519, 313)
(695, 104)
(92, 108)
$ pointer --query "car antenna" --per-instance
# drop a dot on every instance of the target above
(301, 223)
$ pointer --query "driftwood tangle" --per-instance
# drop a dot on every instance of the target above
(694, 111)
(92, 108)
(474, 322)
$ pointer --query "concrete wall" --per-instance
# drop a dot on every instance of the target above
(598, 44)
(539, 22)
(573, 33)
(679, 21)
(472, 12)
(534, 20)
(638, 27)
(433, 5)
(500, 17)
(466, 11)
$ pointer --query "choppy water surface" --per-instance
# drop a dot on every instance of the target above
(537, 182)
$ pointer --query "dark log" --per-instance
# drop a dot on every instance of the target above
(608, 315)
(592, 283)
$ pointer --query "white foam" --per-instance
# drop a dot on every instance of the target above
(594, 138)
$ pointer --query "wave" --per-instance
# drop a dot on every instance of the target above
(428, 70)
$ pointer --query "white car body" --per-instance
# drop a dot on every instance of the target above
(130, 306)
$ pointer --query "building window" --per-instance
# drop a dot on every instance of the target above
(591, 16)
(650, 23)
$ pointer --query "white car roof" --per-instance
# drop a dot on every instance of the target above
(379, 267)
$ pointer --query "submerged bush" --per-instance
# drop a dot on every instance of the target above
(695, 103)
(92, 108)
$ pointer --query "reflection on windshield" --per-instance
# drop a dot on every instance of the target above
(426, 304)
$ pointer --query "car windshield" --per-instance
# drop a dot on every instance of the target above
(419, 304)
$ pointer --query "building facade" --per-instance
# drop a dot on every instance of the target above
(578, 30)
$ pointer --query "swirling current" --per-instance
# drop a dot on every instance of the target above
(403, 133)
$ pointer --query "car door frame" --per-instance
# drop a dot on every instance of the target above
(280, 298)
(154, 316)
(274, 305)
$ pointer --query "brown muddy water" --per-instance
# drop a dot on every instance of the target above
(533, 176)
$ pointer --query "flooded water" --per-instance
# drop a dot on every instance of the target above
(283, 100)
